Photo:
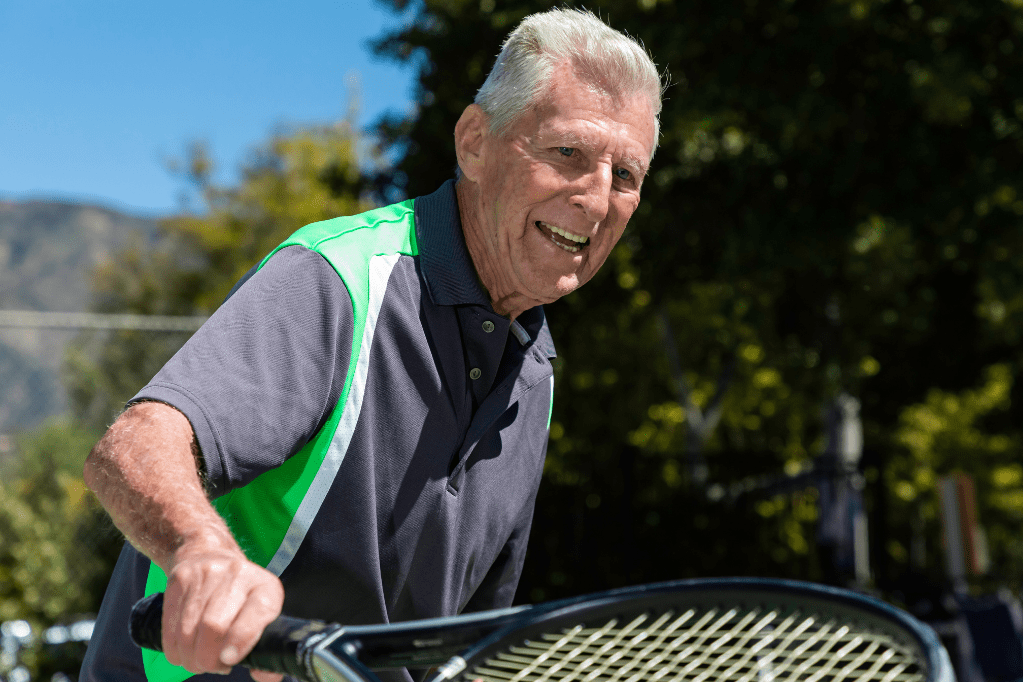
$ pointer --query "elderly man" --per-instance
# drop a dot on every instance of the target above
(368, 410)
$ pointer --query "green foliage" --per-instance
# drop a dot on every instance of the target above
(54, 543)
(835, 206)
(57, 546)
(946, 433)
(308, 175)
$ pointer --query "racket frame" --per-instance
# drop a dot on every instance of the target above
(351, 654)
(849, 606)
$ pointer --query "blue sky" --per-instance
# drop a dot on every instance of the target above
(96, 95)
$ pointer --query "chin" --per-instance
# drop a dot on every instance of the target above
(564, 290)
(549, 289)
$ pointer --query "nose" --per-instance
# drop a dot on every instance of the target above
(593, 192)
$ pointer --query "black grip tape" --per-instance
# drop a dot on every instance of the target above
(280, 649)
(282, 646)
(144, 625)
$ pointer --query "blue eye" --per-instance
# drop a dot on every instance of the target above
(623, 174)
(566, 151)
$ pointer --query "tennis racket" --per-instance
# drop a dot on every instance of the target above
(729, 629)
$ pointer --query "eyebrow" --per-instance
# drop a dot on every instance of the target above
(632, 163)
(635, 166)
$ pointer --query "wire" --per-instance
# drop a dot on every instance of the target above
(32, 319)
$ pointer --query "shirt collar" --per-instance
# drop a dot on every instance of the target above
(535, 324)
(444, 260)
(448, 269)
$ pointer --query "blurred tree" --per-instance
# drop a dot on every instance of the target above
(56, 545)
(834, 207)
(296, 178)
(44, 574)
(946, 432)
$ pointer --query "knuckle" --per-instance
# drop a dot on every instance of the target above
(218, 568)
(216, 626)
(266, 601)
(181, 573)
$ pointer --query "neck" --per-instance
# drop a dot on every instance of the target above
(504, 298)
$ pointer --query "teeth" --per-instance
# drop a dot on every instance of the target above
(568, 235)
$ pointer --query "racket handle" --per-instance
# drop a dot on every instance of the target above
(281, 648)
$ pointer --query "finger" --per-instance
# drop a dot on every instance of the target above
(262, 605)
(214, 628)
(263, 676)
(200, 583)
(176, 595)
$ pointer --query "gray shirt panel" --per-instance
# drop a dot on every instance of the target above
(261, 377)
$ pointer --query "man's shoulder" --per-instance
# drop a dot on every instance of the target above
(369, 228)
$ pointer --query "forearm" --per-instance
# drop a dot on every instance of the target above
(145, 474)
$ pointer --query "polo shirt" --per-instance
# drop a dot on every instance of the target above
(373, 432)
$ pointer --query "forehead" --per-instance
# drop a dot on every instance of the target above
(576, 114)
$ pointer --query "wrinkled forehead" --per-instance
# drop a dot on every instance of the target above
(622, 125)
(597, 82)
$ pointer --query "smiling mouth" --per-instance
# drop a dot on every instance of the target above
(567, 240)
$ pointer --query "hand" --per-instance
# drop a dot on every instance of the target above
(216, 605)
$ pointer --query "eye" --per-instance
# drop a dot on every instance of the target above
(623, 174)
(566, 151)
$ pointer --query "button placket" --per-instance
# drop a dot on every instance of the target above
(483, 339)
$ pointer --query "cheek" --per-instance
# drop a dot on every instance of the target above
(621, 212)
(629, 205)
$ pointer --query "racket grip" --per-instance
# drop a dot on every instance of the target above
(281, 648)
(144, 624)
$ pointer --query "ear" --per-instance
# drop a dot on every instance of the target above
(470, 133)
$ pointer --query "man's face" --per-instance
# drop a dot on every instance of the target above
(556, 191)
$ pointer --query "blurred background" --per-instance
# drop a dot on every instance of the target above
(803, 360)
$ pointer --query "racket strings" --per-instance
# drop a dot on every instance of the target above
(709, 645)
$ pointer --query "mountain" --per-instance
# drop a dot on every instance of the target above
(48, 250)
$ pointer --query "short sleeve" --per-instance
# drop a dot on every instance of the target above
(262, 376)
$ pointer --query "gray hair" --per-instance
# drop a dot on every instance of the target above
(605, 58)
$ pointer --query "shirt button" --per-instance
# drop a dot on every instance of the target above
(488, 326)
(475, 373)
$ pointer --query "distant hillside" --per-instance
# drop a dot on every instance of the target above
(47, 251)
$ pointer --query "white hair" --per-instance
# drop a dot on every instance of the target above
(604, 58)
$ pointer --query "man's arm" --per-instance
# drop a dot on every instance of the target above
(217, 602)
